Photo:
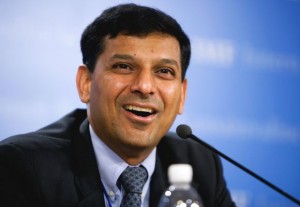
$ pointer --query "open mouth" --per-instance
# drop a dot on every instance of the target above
(143, 112)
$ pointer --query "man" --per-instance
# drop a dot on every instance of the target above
(133, 83)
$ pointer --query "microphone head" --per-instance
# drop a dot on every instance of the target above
(184, 131)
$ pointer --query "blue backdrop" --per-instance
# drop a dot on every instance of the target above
(244, 79)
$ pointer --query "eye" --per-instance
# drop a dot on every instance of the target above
(166, 73)
(122, 68)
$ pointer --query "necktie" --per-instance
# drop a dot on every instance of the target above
(133, 180)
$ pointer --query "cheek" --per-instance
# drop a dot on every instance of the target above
(172, 97)
(107, 90)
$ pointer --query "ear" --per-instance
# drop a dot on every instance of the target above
(83, 83)
(183, 96)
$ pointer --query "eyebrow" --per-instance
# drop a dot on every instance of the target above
(122, 56)
(170, 61)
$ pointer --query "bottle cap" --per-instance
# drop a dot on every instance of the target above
(180, 173)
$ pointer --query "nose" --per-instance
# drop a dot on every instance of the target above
(144, 83)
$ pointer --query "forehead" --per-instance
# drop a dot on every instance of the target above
(161, 44)
(152, 39)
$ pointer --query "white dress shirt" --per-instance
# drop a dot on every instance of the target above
(110, 167)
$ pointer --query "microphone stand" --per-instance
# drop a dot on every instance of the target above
(245, 169)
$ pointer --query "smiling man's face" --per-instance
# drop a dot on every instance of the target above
(134, 93)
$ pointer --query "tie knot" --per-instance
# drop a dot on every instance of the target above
(133, 179)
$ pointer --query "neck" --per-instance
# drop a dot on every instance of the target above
(134, 157)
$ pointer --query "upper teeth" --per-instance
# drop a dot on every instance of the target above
(135, 108)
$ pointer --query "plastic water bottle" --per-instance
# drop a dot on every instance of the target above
(180, 193)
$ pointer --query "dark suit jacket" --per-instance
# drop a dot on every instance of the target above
(56, 167)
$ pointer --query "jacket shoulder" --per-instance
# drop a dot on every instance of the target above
(34, 164)
(58, 132)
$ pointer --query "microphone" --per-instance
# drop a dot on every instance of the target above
(184, 131)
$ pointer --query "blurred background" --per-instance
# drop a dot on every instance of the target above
(244, 79)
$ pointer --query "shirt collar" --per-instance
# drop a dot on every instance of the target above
(110, 165)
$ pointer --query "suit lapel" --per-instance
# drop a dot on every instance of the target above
(87, 177)
(158, 183)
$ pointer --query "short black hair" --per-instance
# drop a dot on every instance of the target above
(135, 20)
